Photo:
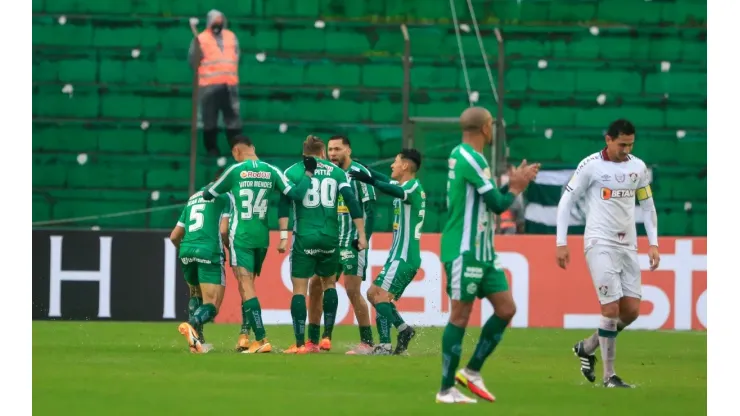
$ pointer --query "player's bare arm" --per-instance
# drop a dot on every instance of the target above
(577, 184)
(283, 212)
(177, 235)
(223, 229)
(650, 216)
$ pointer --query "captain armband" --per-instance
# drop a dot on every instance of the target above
(644, 193)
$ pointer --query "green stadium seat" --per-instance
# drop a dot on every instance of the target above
(386, 112)
(695, 51)
(64, 139)
(176, 38)
(51, 176)
(168, 107)
(127, 71)
(283, 73)
(121, 140)
(630, 11)
(566, 12)
(616, 82)
(303, 40)
(126, 37)
(121, 105)
(91, 176)
(68, 35)
(528, 48)
(274, 144)
(383, 75)
(431, 221)
(332, 74)
(108, 7)
(692, 153)
(264, 38)
(346, 42)
(364, 146)
(83, 103)
(655, 151)
(173, 71)
(687, 118)
(37, 6)
(552, 81)
(77, 70)
(548, 117)
(537, 149)
(159, 178)
(698, 224)
(673, 223)
(676, 83)
(169, 141)
(441, 77)
(389, 42)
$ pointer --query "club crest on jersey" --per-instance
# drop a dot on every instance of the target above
(633, 177)
(472, 288)
(607, 194)
(604, 290)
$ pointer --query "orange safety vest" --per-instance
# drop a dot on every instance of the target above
(507, 220)
(217, 66)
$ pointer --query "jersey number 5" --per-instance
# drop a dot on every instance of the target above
(252, 205)
(322, 192)
(196, 217)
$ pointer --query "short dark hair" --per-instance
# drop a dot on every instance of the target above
(241, 139)
(313, 146)
(620, 127)
(412, 155)
(344, 139)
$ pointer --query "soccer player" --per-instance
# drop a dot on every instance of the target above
(314, 251)
(352, 263)
(248, 184)
(610, 179)
(404, 258)
(198, 241)
(472, 268)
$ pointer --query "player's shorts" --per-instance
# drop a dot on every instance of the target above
(249, 258)
(313, 256)
(615, 272)
(395, 277)
(469, 278)
(352, 262)
(198, 271)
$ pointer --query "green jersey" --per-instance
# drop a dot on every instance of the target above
(469, 225)
(317, 214)
(408, 219)
(248, 184)
(201, 220)
(364, 193)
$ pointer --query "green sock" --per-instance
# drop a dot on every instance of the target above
(397, 319)
(451, 351)
(383, 319)
(298, 312)
(490, 336)
(193, 304)
(366, 335)
(313, 333)
(203, 315)
(331, 301)
(254, 314)
(245, 320)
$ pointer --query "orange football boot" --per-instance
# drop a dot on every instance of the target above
(325, 344)
(257, 347)
(242, 344)
(192, 336)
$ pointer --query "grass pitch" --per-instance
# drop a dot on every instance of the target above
(144, 368)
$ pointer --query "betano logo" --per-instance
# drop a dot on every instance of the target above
(607, 193)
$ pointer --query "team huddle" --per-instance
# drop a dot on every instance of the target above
(333, 201)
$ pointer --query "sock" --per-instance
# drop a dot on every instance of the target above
(490, 336)
(313, 332)
(193, 304)
(246, 326)
(608, 344)
(331, 302)
(298, 312)
(383, 319)
(203, 315)
(366, 335)
(398, 321)
(451, 351)
(254, 316)
(591, 343)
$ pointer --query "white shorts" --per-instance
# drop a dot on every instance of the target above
(615, 272)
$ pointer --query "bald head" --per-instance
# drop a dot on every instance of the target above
(474, 119)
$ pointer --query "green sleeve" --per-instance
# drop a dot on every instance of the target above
(222, 184)
(351, 201)
(182, 219)
(391, 189)
(284, 207)
(474, 170)
(298, 191)
(379, 177)
(369, 217)
(226, 211)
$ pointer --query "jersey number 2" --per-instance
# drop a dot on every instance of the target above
(322, 192)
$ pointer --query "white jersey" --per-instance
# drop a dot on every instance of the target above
(610, 191)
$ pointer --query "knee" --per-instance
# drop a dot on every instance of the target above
(353, 292)
(506, 311)
(195, 292)
(610, 310)
(627, 316)
(371, 295)
(460, 313)
(315, 285)
(328, 283)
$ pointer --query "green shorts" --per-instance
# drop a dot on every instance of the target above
(313, 256)
(395, 277)
(249, 258)
(197, 271)
(468, 278)
(352, 262)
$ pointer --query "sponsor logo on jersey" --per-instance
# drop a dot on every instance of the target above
(315, 251)
(347, 254)
(607, 194)
(473, 272)
(342, 209)
(248, 174)
(188, 260)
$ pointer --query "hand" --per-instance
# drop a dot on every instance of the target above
(520, 177)
(654, 257)
(563, 256)
(360, 244)
(310, 164)
(362, 177)
(282, 246)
